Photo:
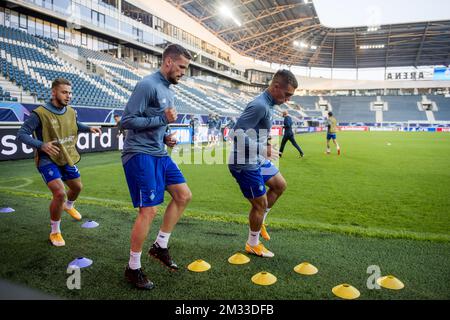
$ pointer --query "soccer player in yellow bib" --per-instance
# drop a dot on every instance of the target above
(55, 128)
(331, 133)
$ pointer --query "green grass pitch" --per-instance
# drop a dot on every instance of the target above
(385, 201)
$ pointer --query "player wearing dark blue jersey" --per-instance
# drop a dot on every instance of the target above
(289, 134)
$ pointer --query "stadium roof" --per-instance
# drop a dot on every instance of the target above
(269, 28)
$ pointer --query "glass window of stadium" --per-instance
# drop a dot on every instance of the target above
(14, 19)
(84, 12)
(222, 67)
(47, 29)
(31, 25)
(111, 23)
(89, 42)
(126, 29)
(84, 39)
(23, 21)
(64, 6)
(54, 31)
(48, 4)
(61, 33)
(68, 36)
(98, 18)
(138, 34)
(39, 27)
(209, 62)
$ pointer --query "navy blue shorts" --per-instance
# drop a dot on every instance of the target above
(52, 171)
(252, 182)
(148, 176)
(331, 136)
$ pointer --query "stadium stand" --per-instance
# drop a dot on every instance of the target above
(443, 106)
(403, 108)
(32, 62)
(352, 109)
(357, 108)
(6, 96)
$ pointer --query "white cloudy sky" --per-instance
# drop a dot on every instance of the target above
(357, 13)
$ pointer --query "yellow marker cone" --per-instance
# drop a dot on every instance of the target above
(264, 278)
(390, 282)
(238, 258)
(306, 268)
(346, 291)
(199, 266)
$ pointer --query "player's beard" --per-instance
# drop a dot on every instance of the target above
(173, 80)
(62, 102)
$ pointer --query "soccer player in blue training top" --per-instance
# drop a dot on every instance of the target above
(250, 163)
(218, 131)
(148, 169)
(55, 128)
(289, 135)
(331, 133)
(211, 130)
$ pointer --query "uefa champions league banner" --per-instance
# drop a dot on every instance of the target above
(18, 112)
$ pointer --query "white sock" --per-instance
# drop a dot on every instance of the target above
(55, 226)
(265, 214)
(69, 204)
(135, 260)
(253, 238)
(162, 239)
(328, 150)
(337, 146)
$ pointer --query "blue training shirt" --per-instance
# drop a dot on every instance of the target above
(211, 123)
(288, 126)
(144, 117)
(258, 115)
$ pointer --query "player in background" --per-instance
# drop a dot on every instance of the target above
(331, 133)
(211, 123)
(289, 135)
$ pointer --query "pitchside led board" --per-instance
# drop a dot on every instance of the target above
(11, 149)
(441, 73)
(182, 134)
(109, 140)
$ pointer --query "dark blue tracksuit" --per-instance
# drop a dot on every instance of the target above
(289, 135)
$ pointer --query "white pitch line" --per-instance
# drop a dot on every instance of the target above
(25, 184)
(125, 203)
(313, 226)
